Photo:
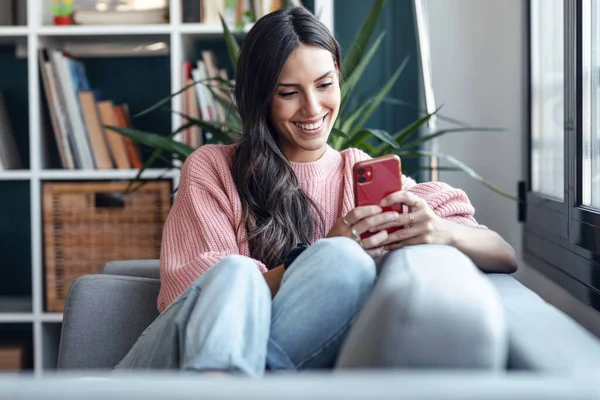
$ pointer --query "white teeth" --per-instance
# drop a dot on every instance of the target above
(310, 127)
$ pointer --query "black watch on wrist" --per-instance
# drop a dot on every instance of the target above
(293, 254)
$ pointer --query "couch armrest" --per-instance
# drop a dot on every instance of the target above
(104, 315)
(138, 268)
(542, 337)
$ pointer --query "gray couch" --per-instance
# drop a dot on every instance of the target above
(123, 299)
(550, 355)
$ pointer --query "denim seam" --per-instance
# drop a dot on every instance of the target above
(282, 352)
(327, 343)
(158, 318)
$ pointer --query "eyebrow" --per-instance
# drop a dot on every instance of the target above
(316, 80)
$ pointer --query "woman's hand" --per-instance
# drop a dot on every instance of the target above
(488, 250)
(360, 220)
(421, 224)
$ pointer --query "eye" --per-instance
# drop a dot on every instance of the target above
(325, 85)
(287, 94)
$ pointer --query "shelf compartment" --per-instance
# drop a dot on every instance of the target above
(136, 82)
(15, 305)
(15, 239)
(16, 347)
(51, 332)
(15, 91)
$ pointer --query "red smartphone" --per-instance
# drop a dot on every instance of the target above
(375, 179)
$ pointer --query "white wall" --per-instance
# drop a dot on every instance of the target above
(478, 51)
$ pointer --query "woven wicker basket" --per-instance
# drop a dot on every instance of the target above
(87, 224)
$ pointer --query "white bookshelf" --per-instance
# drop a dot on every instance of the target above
(39, 32)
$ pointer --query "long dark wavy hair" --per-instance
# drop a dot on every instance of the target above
(278, 214)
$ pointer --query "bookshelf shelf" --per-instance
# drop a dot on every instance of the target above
(52, 317)
(112, 30)
(15, 175)
(206, 29)
(16, 317)
(116, 62)
(13, 31)
(106, 174)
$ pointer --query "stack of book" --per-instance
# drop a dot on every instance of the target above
(233, 11)
(125, 12)
(9, 154)
(200, 102)
(78, 115)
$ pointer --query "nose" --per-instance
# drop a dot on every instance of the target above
(312, 105)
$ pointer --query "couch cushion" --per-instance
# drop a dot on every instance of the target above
(141, 268)
(541, 336)
(104, 315)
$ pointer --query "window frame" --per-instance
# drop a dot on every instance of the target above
(562, 238)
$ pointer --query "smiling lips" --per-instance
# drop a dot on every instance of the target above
(312, 126)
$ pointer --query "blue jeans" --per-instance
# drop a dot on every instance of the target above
(226, 320)
(430, 308)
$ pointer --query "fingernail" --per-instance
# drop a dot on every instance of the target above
(384, 203)
(379, 209)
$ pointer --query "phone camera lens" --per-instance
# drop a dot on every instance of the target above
(361, 171)
(362, 179)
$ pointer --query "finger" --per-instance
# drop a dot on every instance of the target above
(373, 221)
(401, 197)
(360, 213)
(376, 253)
(405, 234)
(374, 241)
(412, 217)
(392, 224)
(409, 242)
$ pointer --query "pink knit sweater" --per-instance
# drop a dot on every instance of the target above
(205, 222)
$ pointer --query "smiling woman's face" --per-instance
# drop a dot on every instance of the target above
(306, 103)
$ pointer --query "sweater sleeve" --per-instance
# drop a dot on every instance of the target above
(445, 201)
(200, 229)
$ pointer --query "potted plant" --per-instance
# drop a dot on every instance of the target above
(349, 129)
(61, 11)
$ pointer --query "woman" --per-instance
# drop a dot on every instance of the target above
(237, 292)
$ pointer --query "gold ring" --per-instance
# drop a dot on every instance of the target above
(355, 233)
(411, 218)
(344, 219)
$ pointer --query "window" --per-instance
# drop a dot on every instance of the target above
(562, 200)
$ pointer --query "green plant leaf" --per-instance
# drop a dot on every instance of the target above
(351, 120)
(376, 102)
(227, 84)
(165, 100)
(215, 128)
(406, 104)
(378, 99)
(462, 166)
(158, 154)
(229, 110)
(338, 133)
(378, 133)
(154, 141)
(352, 79)
(401, 136)
(363, 36)
(233, 48)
